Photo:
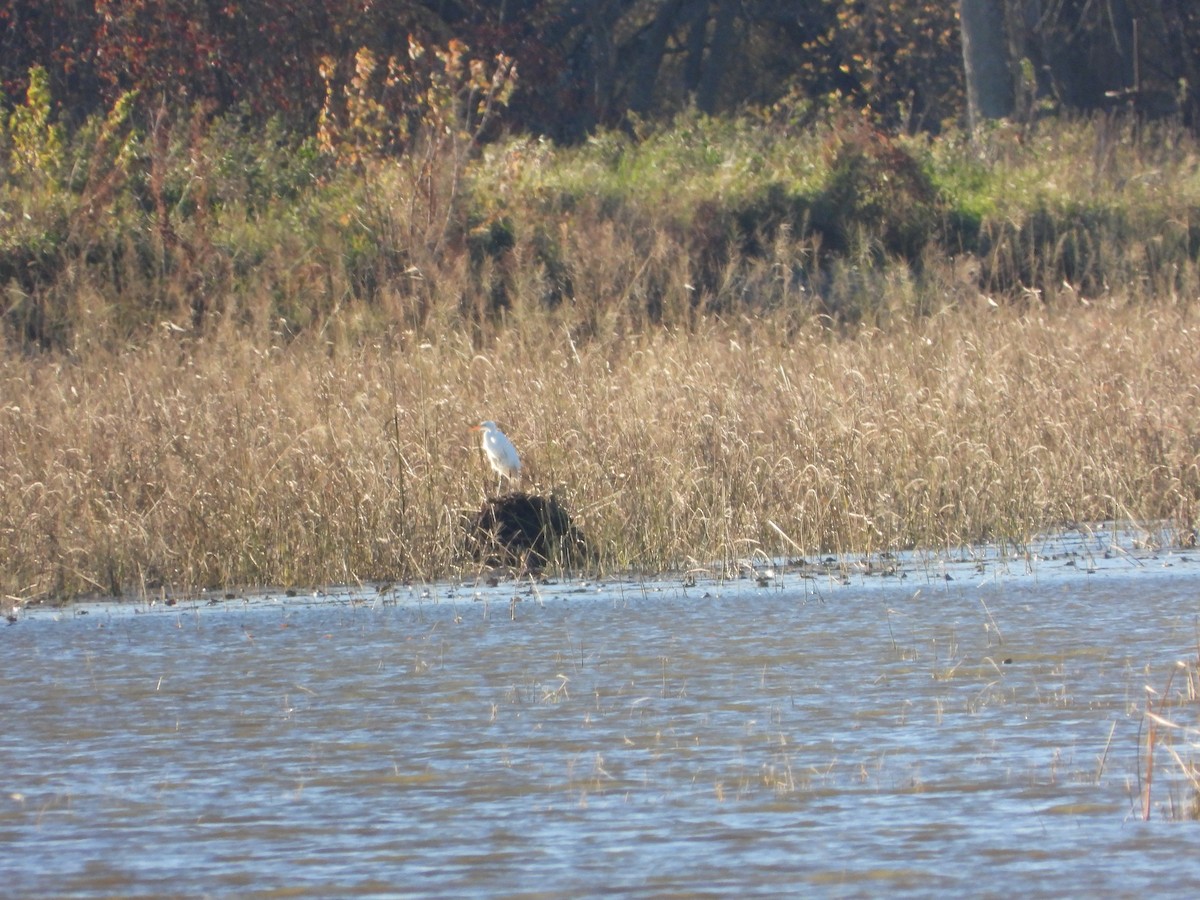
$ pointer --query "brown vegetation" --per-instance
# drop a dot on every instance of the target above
(222, 461)
(229, 360)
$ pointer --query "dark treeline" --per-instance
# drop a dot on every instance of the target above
(585, 64)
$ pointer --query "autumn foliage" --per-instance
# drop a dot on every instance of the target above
(589, 65)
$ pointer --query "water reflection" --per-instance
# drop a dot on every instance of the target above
(917, 736)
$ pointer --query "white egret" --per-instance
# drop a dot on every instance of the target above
(499, 451)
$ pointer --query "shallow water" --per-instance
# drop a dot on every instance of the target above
(844, 737)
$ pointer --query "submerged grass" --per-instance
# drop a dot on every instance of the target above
(227, 460)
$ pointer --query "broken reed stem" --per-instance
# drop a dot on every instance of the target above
(1103, 761)
(1154, 720)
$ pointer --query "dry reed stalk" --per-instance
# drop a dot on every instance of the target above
(340, 459)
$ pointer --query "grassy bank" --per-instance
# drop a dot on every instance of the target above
(124, 228)
(221, 462)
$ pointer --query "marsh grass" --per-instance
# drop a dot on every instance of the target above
(1169, 732)
(188, 463)
(229, 360)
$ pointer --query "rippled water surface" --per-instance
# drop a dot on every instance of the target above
(917, 735)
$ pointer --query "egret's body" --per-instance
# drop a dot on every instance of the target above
(500, 452)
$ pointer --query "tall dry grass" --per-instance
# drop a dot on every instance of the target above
(228, 359)
(230, 460)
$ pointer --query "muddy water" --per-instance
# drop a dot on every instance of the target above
(902, 736)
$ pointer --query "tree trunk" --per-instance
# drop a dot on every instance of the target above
(1177, 18)
(718, 57)
(696, 45)
(985, 59)
(650, 56)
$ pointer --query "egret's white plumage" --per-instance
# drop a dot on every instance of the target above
(499, 450)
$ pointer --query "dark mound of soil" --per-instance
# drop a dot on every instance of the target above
(525, 530)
